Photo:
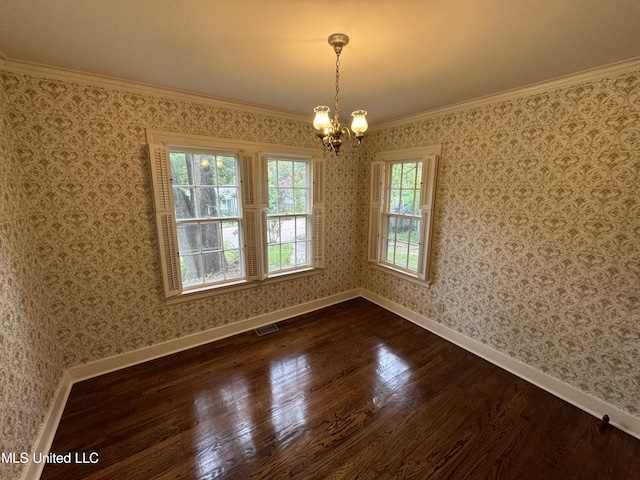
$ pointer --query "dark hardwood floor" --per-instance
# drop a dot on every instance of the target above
(348, 392)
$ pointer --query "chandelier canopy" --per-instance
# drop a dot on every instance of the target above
(329, 130)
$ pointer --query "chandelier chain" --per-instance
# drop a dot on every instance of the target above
(337, 84)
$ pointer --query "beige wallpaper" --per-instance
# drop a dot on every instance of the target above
(30, 357)
(84, 162)
(537, 231)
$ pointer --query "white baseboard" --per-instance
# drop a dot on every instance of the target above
(107, 365)
(48, 430)
(594, 406)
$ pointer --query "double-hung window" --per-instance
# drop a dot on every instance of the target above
(402, 198)
(288, 213)
(208, 216)
(228, 213)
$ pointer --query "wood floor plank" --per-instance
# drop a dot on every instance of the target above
(348, 392)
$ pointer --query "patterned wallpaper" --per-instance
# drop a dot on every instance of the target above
(30, 358)
(82, 150)
(536, 243)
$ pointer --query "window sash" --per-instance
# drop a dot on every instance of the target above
(197, 266)
(401, 248)
(277, 246)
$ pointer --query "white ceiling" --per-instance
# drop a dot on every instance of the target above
(405, 56)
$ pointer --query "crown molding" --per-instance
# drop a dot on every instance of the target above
(131, 86)
(34, 69)
(585, 76)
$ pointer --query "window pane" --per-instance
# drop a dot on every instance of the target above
(287, 250)
(285, 173)
(184, 202)
(414, 233)
(302, 253)
(191, 268)
(228, 202)
(402, 254)
(301, 228)
(413, 259)
(273, 230)
(207, 202)
(300, 174)
(409, 175)
(227, 170)
(285, 200)
(214, 264)
(275, 261)
(272, 169)
(180, 168)
(211, 236)
(300, 201)
(392, 222)
(402, 227)
(390, 250)
(188, 238)
(408, 202)
(231, 235)
(234, 263)
(204, 167)
(396, 175)
(394, 200)
(287, 229)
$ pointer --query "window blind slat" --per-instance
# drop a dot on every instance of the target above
(167, 235)
(375, 206)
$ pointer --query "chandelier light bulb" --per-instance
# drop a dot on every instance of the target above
(321, 122)
(359, 123)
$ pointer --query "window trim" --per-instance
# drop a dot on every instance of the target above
(429, 157)
(251, 158)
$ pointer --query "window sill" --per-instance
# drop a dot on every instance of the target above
(401, 274)
(205, 292)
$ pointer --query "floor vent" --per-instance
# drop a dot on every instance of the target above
(266, 329)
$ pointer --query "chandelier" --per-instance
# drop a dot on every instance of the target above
(329, 131)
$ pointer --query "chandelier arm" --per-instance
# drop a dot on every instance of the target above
(354, 139)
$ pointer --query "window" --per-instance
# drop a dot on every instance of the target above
(402, 198)
(228, 214)
(288, 214)
(401, 215)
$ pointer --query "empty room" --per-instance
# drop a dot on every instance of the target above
(287, 239)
